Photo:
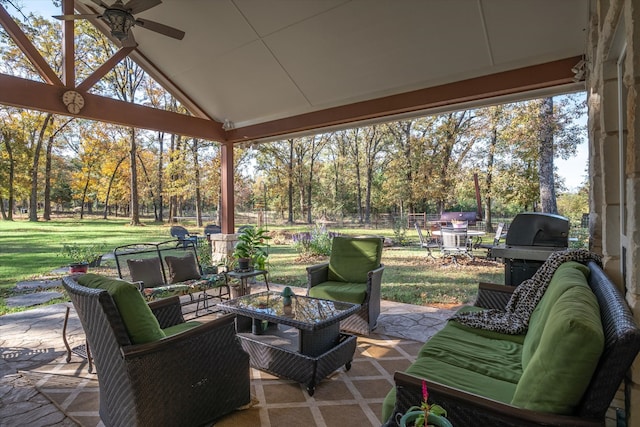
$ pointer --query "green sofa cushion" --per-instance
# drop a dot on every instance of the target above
(353, 257)
(340, 291)
(570, 347)
(142, 326)
(567, 276)
(466, 361)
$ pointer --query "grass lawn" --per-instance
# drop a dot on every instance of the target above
(30, 250)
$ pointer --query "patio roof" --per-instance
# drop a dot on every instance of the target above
(277, 68)
(252, 70)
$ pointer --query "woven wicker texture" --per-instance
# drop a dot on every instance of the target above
(364, 321)
(622, 343)
(188, 379)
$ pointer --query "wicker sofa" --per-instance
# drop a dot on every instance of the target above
(565, 371)
(153, 367)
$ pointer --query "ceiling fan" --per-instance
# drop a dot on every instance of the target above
(120, 18)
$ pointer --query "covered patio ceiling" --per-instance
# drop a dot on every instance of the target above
(260, 70)
(271, 68)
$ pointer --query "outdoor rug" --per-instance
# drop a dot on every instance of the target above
(351, 397)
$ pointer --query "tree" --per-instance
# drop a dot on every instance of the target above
(545, 165)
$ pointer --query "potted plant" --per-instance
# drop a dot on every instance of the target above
(425, 414)
(251, 249)
(82, 257)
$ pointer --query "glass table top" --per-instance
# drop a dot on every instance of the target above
(304, 312)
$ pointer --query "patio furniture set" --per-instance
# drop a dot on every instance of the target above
(452, 240)
(140, 346)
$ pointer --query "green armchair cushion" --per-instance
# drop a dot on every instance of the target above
(569, 351)
(182, 268)
(353, 257)
(142, 326)
(340, 291)
(148, 271)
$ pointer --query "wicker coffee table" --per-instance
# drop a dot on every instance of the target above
(301, 342)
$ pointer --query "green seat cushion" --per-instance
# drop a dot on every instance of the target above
(142, 326)
(567, 276)
(466, 361)
(340, 291)
(569, 351)
(353, 257)
(180, 327)
(463, 353)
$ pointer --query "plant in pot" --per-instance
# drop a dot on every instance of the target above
(425, 414)
(251, 249)
(82, 257)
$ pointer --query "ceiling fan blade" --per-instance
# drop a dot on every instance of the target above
(160, 28)
(72, 17)
(137, 6)
(99, 3)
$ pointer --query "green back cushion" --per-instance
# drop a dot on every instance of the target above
(353, 257)
(182, 268)
(142, 326)
(340, 291)
(570, 347)
(567, 276)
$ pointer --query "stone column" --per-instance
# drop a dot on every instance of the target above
(221, 247)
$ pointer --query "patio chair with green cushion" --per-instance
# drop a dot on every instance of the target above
(353, 274)
(153, 367)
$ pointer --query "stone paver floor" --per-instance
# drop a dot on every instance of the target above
(34, 337)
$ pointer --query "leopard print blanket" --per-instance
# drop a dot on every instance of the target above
(514, 320)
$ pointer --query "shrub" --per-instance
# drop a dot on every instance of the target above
(315, 242)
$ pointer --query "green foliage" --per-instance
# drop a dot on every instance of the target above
(400, 231)
(77, 253)
(315, 242)
(252, 244)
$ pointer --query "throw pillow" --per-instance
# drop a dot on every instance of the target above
(148, 271)
(142, 326)
(182, 268)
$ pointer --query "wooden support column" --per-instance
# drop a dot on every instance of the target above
(68, 47)
(226, 181)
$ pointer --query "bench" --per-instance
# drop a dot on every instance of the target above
(582, 340)
(169, 268)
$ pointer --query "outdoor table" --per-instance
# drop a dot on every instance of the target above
(474, 236)
(301, 341)
(244, 276)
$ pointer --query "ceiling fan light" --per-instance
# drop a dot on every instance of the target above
(119, 21)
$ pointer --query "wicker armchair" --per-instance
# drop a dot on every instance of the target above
(189, 378)
(324, 276)
(622, 343)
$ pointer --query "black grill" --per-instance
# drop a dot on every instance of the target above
(531, 238)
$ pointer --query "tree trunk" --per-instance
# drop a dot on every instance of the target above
(106, 199)
(33, 199)
(488, 226)
(290, 178)
(545, 165)
(196, 177)
(160, 169)
(135, 208)
(47, 181)
(11, 200)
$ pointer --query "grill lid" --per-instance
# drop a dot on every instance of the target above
(538, 229)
